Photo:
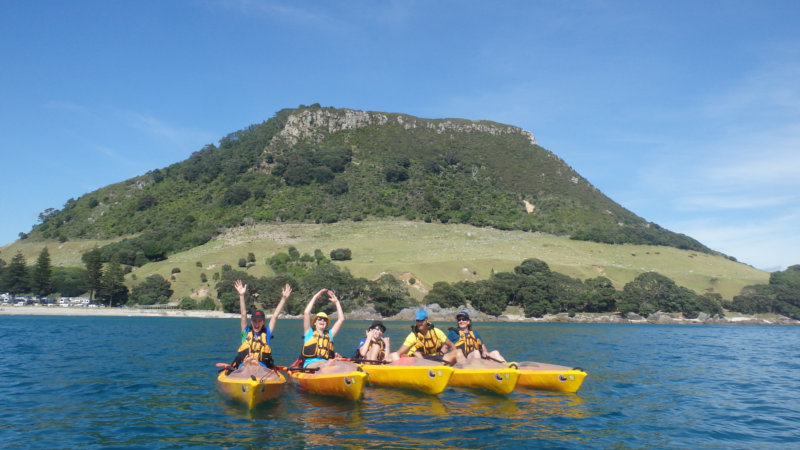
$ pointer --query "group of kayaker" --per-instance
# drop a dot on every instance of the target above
(254, 357)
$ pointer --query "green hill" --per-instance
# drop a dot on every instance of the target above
(325, 165)
(423, 199)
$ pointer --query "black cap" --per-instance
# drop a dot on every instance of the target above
(258, 315)
(462, 314)
(378, 323)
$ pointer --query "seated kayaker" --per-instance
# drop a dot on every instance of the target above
(254, 357)
(427, 341)
(373, 347)
(469, 342)
(318, 352)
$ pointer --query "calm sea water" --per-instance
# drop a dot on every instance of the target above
(136, 382)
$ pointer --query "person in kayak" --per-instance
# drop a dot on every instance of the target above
(318, 349)
(427, 341)
(469, 342)
(254, 354)
(373, 347)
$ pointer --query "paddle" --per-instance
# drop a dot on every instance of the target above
(297, 369)
(495, 360)
(366, 361)
(225, 366)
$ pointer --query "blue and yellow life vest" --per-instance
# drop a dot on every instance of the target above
(319, 346)
(468, 342)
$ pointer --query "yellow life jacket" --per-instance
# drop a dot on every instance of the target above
(257, 345)
(319, 346)
(381, 353)
(428, 342)
(468, 342)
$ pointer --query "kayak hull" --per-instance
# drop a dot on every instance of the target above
(427, 379)
(550, 377)
(248, 391)
(347, 385)
(501, 380)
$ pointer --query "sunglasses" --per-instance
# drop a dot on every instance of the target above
(461, 319)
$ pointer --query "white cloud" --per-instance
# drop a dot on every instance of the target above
(765, 242)
(160, 129)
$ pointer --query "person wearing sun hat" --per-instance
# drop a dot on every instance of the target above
(318, 339)
(427, 341)
(469, 342)
(373, 347)
(254, 355)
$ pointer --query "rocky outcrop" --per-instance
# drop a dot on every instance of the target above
(316, 124)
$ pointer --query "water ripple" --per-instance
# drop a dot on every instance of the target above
(149, 383)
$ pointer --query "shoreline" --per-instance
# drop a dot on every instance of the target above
(404, 316)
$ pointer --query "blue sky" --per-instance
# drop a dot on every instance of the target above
(687, 113)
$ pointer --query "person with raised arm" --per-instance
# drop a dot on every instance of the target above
(374, 348)
(254, 355)
(318, 351)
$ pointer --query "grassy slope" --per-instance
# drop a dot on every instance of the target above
(428, 253)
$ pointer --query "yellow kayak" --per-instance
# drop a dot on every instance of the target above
(500, 379)
(250, 391)
(426, 377)
(348, 385)
(550, 377)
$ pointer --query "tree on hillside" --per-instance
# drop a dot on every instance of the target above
(93, 259)
(341, 254)
(69, 281)
(446, 295)
(16, 275)
(112, 284)
(601, 295)
(154, 290)
(650, 292)
(41, 282)
(389, 295)
(780, 296)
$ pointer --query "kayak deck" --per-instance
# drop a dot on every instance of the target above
(430, 379)
(501, 379)
(347, 385)
(248, 391)
(550, 377)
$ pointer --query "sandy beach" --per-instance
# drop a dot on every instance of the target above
(406, 315)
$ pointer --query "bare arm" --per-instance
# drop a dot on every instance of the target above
(241, 288)
(339, 313)
(287, 291)
(448, 344)
(367, 342)
(307, 312)
(403, 350)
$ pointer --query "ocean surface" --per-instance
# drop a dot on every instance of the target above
(134, 382)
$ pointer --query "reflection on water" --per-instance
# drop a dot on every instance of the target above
(541, 404)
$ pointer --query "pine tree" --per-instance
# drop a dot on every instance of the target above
(16, 275)
(112, 283)
(94, 271)
(42, 275)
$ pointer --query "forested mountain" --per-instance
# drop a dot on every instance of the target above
(326, 165)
